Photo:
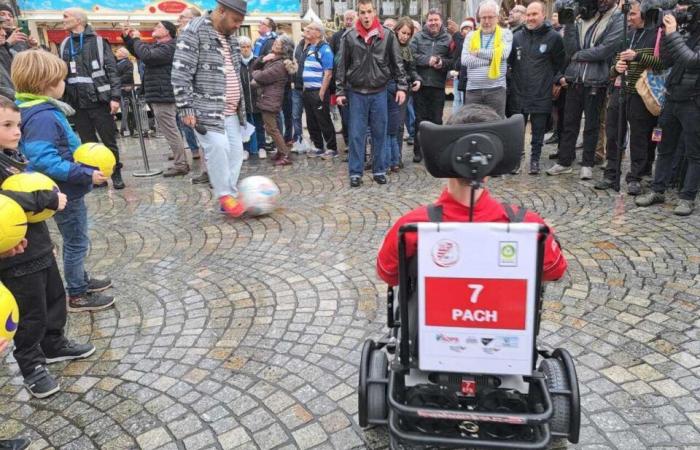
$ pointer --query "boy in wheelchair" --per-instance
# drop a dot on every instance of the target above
(452, 408)
(455, 204)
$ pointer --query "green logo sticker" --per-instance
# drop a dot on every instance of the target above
(508, 254)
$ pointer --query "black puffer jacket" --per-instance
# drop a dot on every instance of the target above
(158, 62)
(91, 85)
(683, 83)
(536, 62)
(368, 68)
(424, 45)
(125, 69)
(591, 65)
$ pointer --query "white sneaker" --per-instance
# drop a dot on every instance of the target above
(298, 147)
(558, 169)
(262, 154)
(586, 173)
(246, 155)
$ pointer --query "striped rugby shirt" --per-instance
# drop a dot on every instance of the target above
(319, 58)
(233, 82)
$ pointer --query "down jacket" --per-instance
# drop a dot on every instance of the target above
(683, 57)
(271, 78)
(157, 59)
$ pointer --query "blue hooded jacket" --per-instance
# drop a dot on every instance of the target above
(48, 142)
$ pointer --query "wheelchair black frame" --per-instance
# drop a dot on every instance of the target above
(402, 365)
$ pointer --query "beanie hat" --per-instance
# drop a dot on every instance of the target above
(172, 29)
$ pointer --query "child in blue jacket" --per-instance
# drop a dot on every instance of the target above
(49, 142)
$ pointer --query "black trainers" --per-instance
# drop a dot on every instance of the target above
(95, 285)
(90, 301)
(40, 383)
(15, 444)
(534, 168)
(68, 351)
(634, 188)
(355, 181)
(605, 184)
(203, 178)
(117, 181)
(379, 179)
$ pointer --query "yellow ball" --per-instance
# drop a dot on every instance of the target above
(96, 156)
(31, 182)
(13, 223)
(9, 314)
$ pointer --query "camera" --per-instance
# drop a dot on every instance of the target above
(655, 10)
(569, 10)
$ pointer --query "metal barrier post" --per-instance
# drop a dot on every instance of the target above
(147, 172)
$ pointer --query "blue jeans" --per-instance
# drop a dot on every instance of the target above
(224, 155)
(367, 109)
(411, 118)
(458, 101)
(252, 145)
(73, 224)
(297, 111)
(188, 132)
(259, 130)
(393, 151)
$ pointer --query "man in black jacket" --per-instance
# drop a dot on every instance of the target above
(591, 44)
(536, 63)
(369, 57)
(158, 61)
(92, 86)
(680, 116)
(434, 58)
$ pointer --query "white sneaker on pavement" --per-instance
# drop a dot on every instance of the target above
(586, 173)
(262, 154)
(246, 155)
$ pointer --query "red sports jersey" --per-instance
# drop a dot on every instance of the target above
(487, 210)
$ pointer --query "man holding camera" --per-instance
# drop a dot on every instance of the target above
(681, 113)
(590, 43)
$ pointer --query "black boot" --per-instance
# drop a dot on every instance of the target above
(117, 181)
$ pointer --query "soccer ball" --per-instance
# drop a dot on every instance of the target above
(259, 195)
(96, 156)
(13, 224)
(9, 314)
(31, 182)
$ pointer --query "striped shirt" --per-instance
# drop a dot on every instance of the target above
(233, 82)
(319, 58)
(478, 65)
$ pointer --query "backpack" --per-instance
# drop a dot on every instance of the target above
(100, 49)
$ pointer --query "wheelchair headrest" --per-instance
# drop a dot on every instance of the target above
(472, 151)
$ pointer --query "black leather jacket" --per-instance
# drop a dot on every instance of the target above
(424, 45)
(368, 68)
(683, 83)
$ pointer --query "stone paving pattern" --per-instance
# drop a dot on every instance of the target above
(247, 333)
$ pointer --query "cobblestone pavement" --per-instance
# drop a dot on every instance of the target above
(247, 333)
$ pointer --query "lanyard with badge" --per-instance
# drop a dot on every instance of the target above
(74, 53)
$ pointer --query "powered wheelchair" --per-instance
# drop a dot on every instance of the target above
(459, 367)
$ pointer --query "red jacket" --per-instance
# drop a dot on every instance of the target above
(487, 210)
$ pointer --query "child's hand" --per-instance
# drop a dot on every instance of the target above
(62, 200)
(98, 177)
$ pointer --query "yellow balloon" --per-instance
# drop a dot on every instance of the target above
(13, 223)
(31, 182)
(9, 314)
(96, 156)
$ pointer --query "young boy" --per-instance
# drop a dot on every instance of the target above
(49, 142)
(455, 202)
(31, 273)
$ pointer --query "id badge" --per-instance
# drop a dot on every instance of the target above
(656, 135)
(73, 67)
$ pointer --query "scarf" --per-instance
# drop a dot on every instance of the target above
(28, 100)
(475, 45)
(248, 59)
(367, 35)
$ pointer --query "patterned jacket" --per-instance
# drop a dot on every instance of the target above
(198, 74)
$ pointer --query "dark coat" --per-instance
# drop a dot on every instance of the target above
(104, 85)
(271, 78)
(369, 68)
(590, 66)
(458, 41)
(7, 89)
(158, 62)
(249, 92)
(536, 63)
(683, 57)
(125, 69)
(424, 45)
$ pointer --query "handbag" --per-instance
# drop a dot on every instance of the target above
(651, 85)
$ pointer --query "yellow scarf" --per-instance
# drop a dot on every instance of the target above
(475, 46)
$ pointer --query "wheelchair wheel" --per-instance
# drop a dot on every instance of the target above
(367, 350)
(376, 393)
(555, 374)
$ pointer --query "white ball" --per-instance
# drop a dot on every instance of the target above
(259, 195)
